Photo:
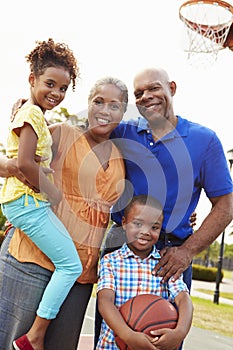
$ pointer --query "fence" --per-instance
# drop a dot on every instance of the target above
(227, 263)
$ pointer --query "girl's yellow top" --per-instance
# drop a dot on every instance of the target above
(13, 188)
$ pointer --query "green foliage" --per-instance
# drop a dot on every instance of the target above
(62, 115)
(212, 252)
(228, 251)
(208, 274)
(1, 237)
(2, 217)
(2, 220)
(2, 149)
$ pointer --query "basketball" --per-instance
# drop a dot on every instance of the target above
(147, 312)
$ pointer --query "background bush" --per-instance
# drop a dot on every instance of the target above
(207, 274)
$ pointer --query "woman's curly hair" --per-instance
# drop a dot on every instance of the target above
(50, 54)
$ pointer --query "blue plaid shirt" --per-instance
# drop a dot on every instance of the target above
(128, 275)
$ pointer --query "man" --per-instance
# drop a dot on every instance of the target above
(187, 158)
(172, 159)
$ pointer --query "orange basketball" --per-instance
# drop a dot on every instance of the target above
(147, 312)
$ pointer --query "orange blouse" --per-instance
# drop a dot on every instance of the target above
(89, 192)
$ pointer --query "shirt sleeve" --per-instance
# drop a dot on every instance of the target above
(216, 178)
(31, 115)
(176, 287)
(106, 277)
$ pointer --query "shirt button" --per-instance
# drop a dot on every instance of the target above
(148, 131)
(151, 143)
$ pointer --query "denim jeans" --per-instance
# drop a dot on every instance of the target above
(21, 289)
(44, 228)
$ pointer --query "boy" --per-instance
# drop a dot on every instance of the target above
(126, 272)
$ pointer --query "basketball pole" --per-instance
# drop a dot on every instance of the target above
(220, 259)
(219, 271)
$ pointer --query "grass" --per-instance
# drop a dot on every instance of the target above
(213, 317)
(94, 290)
(221, 294)
(228, 274)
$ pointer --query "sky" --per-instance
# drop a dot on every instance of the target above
(117, 38)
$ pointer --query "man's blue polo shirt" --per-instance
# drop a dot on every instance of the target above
(174, 169)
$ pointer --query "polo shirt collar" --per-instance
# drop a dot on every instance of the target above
(142, 124)
(181, 129)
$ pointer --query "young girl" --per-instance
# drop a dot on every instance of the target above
(53, 67)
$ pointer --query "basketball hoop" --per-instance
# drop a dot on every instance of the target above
(207, 24)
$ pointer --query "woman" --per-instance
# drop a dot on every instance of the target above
(90, 172)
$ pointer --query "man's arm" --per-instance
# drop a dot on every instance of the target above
(175, 260)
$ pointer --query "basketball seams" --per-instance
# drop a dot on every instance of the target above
(154, 324)
(144, 311)
(130, 310)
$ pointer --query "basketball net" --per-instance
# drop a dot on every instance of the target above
(207, 24)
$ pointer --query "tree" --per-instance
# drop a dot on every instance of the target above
(212, 253)
(2, 217)
(2, 221)
(2, 148)
(63, 115)
(228, 252)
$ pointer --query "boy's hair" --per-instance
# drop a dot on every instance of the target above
(50, 54)
(143, 199)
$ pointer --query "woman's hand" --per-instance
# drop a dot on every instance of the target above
(54, 196)
(16, 106)
(13, 170)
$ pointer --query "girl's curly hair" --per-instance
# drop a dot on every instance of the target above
(50, 54)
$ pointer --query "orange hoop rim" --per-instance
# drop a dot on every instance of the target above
(208, 24)
(221, 3)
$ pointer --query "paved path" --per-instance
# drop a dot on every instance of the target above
(225, 286)
(197, 339)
